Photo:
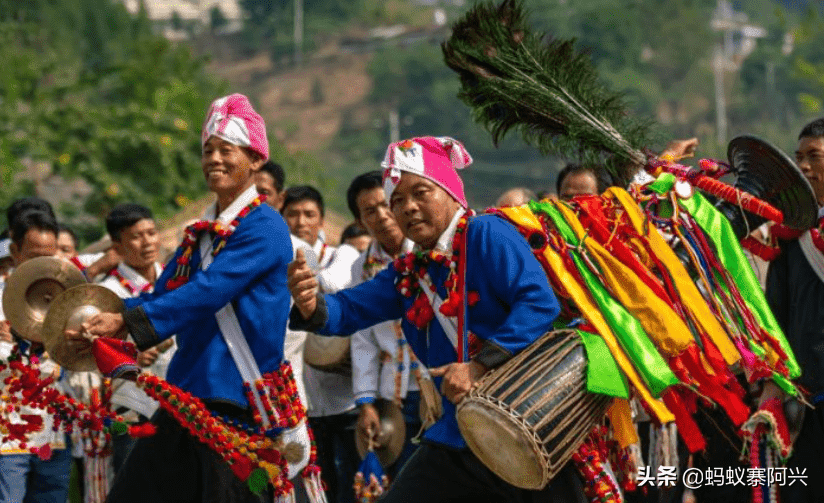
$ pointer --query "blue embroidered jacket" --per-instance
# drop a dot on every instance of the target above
(250, 272)
(516, 307)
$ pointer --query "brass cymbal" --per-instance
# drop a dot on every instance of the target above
(32, 287)
(391, 437)
(68, 311)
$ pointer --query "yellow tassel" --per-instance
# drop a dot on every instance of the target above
(272, 470)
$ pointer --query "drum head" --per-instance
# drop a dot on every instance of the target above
(486, 430)
(330, 354)
(525, 419)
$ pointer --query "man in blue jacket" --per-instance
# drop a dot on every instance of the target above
(246, 271)
(511, 305)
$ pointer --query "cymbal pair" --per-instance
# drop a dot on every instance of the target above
(46, 295)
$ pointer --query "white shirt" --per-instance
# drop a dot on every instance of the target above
(330, 393)
(126, 393)
(372, 377)
(295, 341)
(444, 243)
(336, 274)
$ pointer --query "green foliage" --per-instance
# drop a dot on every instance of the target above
(92, 92)
(270, 25)
(415, 81)
(317, 92)
(808, 63)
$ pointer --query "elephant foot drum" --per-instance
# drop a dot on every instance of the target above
(526, 418)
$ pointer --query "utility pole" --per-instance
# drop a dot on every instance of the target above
(727, 56)
(298, 32)
(394, 125)
(723, 21)
(718, 68)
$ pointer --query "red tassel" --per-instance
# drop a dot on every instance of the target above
(142, 430)
(44, 452)
(732, 195)
(242, 466)
(687, 428)
(473, 298)
(732, 405)
(269, 455)
(785, 233)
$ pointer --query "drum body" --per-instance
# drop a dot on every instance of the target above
(526, 418)
(330, 354)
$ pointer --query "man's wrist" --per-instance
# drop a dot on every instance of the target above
(477, 369)
(365, 403)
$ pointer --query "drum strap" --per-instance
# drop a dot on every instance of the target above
(448, 323)
(462, 347)
(455, 329)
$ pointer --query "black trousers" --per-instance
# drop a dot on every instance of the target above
(807, 459)
(337, 454)
(437, 474)
(173, 466)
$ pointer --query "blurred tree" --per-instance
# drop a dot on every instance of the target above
(176, 21)
(91, 92)
(217, 20)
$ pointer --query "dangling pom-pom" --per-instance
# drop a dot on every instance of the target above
(257, 480)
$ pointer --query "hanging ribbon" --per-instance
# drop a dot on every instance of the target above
(691, 298)
(659, 321)
(603, 374)
(524, 217)
(628, 330)
(623, 428)
(729, 252)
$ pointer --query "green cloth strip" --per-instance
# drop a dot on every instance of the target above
(603, 374)
(630, 334)
(716, 226)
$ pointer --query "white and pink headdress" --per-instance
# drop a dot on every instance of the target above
(435, 158)
(233, 119)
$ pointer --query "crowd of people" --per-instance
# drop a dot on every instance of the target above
(259, 272)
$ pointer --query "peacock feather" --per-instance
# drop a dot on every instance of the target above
(515, 78)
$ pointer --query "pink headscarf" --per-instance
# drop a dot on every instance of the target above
(232, 118)
(435, 158)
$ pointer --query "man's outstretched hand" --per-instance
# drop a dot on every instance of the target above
(303, 285)
(99, 325)
(680, 149)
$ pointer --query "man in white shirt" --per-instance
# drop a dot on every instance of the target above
(27, 472)
(134, 236)
(382, 360)
(269, 182)
(330, 400)
(90, 264)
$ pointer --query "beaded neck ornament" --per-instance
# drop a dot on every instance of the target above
(194, 231)
(411, 269)
(128, 285)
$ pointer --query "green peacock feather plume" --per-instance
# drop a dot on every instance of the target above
(514, 78)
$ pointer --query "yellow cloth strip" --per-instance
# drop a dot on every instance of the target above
(523, 216)
(661, 323)
(620, 417)
(691, 298)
